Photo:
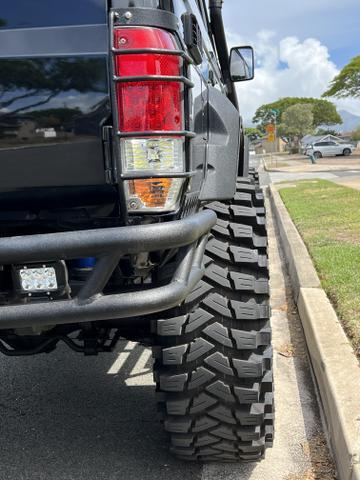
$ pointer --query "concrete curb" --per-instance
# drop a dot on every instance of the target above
(301, 269)
(335, 366)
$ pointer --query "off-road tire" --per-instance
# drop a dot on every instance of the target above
(213, 364)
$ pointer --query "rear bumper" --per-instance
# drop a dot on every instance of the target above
(108, 245)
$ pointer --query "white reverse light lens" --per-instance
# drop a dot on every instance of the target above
(159, 154)
(38, 279)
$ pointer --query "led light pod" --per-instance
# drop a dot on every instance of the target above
(38, 279)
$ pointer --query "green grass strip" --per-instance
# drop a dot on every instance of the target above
(327, 216)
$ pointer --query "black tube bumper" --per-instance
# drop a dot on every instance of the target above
(108, 245)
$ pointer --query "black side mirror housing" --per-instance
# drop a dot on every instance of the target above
(242, 63)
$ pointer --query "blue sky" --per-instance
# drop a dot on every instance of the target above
(299, 46)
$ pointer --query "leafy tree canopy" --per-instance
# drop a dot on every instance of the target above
(324, 112)
(297, 121)
(253, 133)
(326, 131)
(347, 83)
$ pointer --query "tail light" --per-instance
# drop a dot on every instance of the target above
(149, 94)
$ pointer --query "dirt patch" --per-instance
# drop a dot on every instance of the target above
(322, 466)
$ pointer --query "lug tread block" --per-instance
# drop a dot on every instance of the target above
(260, 211)
(243, 198)
(205, 439)
(226, 446)
(220, 390)
(178, 425)
(204, 423)
(201, 289)
(184, 452)
(174, 355)
(223, 413)
(219, 362)
(247, 188)
(250, 213)
(259, 241)
(219, 207)
(252, 368)
(182, 440)
(251, 457)
(248, 256)
(171, 326)
(247, 395)
(199, 377)
(251, 339)
(207, 451)
(250, 310)
(197, 319)
(177, 407)
(173, 382)
(219, 249)
(198, 347)
(246, 180)
(225, 432)
(245, 340)
(220, 228)
(218, 303)
(253, 417)
(219, 333)
(241, 231)
(218, 275)
(249, 434)
(201, 403)
(245, 282)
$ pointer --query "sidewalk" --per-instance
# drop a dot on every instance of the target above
(298, 166)
(351, 181)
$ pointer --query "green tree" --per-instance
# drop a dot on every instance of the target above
(296, 121)
(324, 112)
(253, 133)
(326, 131)
(347, 82)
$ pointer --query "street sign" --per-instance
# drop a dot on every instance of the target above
(270, 128)
(271, 137)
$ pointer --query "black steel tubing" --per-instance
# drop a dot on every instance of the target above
(83, 243)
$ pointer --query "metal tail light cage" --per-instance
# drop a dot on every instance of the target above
(117, 18)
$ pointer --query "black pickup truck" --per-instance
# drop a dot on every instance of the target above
(127, 209)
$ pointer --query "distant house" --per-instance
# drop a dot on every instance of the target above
(310, 139)
(262, 145)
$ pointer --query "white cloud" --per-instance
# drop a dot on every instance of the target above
(287, 67)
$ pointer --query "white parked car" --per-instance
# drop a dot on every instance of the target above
(326, 149)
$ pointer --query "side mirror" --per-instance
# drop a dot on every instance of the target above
(241, 64)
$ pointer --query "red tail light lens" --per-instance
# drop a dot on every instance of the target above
(147, 105)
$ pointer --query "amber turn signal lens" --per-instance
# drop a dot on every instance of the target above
(153, 193)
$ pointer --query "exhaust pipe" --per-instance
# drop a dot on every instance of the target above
(218, 31)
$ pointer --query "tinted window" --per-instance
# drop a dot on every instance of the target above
(320, 144)
(50, 13)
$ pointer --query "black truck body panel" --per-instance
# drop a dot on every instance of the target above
(61, 168)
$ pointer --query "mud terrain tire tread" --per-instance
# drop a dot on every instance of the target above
(213, 362)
